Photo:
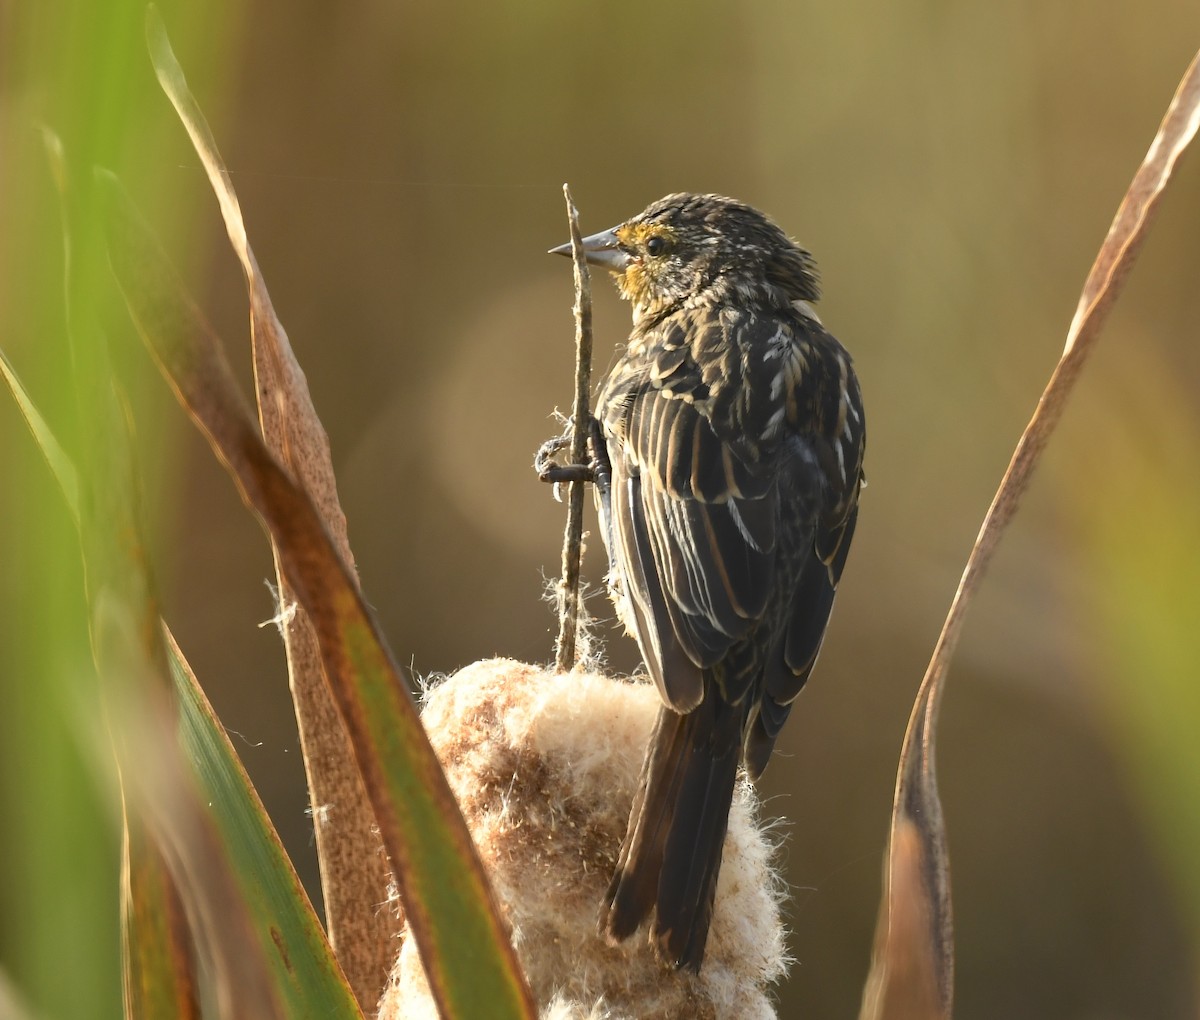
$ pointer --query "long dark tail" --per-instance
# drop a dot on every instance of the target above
(672, 851)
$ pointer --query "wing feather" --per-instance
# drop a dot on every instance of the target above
(698, 556)
(674, 671)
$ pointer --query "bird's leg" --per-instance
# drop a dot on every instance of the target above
(595, 470)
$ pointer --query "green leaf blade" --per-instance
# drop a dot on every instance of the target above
(308, 978)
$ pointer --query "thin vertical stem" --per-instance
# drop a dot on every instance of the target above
(569, 599)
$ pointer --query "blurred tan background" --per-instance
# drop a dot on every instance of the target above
(953, 167)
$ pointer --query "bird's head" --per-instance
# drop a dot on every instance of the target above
(692, 248)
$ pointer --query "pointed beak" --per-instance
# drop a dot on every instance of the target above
(603, 249)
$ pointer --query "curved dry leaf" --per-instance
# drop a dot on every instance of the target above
(354, 870)
(917, 883)
(290, 424)
(464, 943)
(904, 982)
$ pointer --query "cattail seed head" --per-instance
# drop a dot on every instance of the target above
(544, 767)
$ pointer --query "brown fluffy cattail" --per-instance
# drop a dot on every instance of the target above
(544, 766)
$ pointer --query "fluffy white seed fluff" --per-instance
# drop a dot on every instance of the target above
(544, 766)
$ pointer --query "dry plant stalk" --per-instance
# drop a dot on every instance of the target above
(569, 597)
(916, 902)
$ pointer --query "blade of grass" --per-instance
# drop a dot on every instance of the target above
(156, 945)
(354, 871)
(158, 969)
(159, 979)
(918, 873)
(462, 939)
(160, 790)
(168, 826)
(60, 464)
(310, 979)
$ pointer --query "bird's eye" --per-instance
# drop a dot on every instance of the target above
(656, 245)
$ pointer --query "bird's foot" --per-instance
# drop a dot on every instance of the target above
(549, 469)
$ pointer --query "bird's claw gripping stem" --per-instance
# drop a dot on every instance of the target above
(596, 469)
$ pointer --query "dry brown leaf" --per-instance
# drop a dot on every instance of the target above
(904, 987)
(451, 908)
(914, 943)
(354, 871)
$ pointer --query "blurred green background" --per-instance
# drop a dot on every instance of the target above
(952, 166)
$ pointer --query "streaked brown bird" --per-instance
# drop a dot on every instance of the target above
(733, 432)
